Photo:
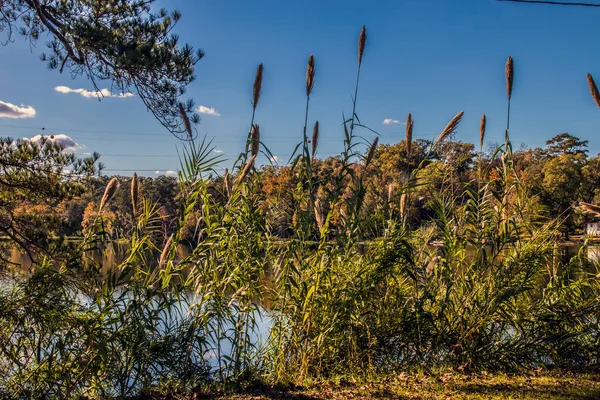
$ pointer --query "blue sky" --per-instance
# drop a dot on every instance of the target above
(432, 58)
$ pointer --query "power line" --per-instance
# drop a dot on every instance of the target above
(86, 131)
(242, 136)
(176, 156)
(140, 155)
(556, 3)
(82, 130)
(146, 170)
(131, 170)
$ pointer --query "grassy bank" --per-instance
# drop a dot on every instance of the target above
(442, 386)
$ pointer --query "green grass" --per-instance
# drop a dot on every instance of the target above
(444, 386)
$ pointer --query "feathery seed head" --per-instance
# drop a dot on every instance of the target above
(409, 134)
(246, 169)
(257, 88)
(371, 152)
(482, 124)
(403, 205)
(134, 193)
(310, 74)
(186, 121)
(593, 89)
(165, 252)
(450, 128)
(227, 182)
(510, 75)
(319, 214)
(362, 40)
(109, 192)
(255, 140)
(315, 139)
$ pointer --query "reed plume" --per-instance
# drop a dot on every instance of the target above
(109, 192)
(134, 193)
(227, 182)
(403, 205)
(482, 124)
(510, 75)
(165, 252)
(315, 139)
(362, 40)
(409, 134)
(450, 128)
(593, 89)
(319, 214)
(390, 192)
(186, 121)
(256, 92)
(310, 74)
(257, 87)
(246, 170)
(371, 152)
(254, 140)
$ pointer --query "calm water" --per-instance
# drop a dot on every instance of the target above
(112, 254)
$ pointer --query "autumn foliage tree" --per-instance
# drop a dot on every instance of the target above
(34, 178)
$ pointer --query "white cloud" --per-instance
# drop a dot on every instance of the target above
(92, 93)
(389, 121)
(274, 159)
(208, 111)
(66, 141)
(217, 151)
(8, 110)
(170, 172)
(157, 172)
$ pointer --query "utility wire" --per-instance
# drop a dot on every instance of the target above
(556, 3)
(85, 131)
(50, 131)
(176, 156)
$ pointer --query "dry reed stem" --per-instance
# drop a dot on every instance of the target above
(134, 193)
(593, 90)
(246, 170)
(450, 128)
(510, 75)
(186, 121)
(165, 252)
(409, 134)
(109, 192)
(310, 74)
(390, 192)
(257, 87)
(482, 125)
(315, 139)
(254, 140)
(362, 40)
(371, 152)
